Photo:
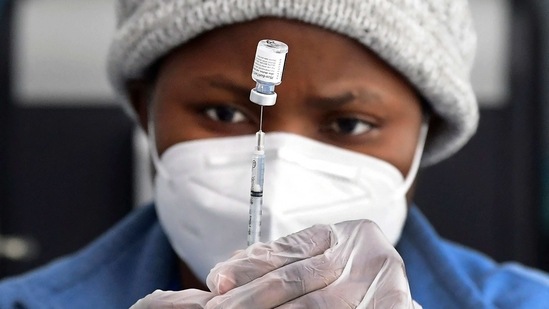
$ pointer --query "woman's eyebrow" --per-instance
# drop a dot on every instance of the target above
(363, 96)
(222, 82)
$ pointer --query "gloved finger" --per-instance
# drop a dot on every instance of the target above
(387, 290)
(282, 285)
(262, 258)
(187, 299)
(319, 300)
(374, 274)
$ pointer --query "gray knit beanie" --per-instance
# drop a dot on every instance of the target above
(430, 42)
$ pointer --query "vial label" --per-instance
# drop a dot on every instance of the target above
(269, 62)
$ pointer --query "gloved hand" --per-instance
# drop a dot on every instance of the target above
(190, 298)
(346, 265)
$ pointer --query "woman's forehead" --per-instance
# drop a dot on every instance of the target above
(314, 52)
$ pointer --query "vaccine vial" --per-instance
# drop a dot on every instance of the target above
(267, 71)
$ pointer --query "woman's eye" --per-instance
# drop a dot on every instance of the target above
(225, 114)
(350, 126)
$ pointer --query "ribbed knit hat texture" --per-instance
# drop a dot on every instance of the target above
(430, 42)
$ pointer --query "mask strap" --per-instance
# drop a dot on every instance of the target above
(151, 136)
(417, 157)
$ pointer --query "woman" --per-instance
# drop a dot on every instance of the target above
(364, 82)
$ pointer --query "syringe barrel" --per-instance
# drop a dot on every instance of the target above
(254, 224)
(258, 170)
(256, 196)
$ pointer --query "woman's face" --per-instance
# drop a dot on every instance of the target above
(333, 90)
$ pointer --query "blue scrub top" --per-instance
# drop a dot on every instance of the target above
(135, 258)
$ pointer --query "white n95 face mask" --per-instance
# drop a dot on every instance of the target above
(203, 192)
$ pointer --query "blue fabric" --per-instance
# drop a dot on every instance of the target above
(135, 258)
(447, 275)
(130, 261)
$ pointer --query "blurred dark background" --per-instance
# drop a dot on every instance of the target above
(71, 164)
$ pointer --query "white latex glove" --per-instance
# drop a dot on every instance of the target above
(158, 299)
(346, 265)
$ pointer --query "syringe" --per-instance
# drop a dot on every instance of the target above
(267, 73)
(256, 192)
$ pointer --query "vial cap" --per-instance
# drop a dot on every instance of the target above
(262, 99)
